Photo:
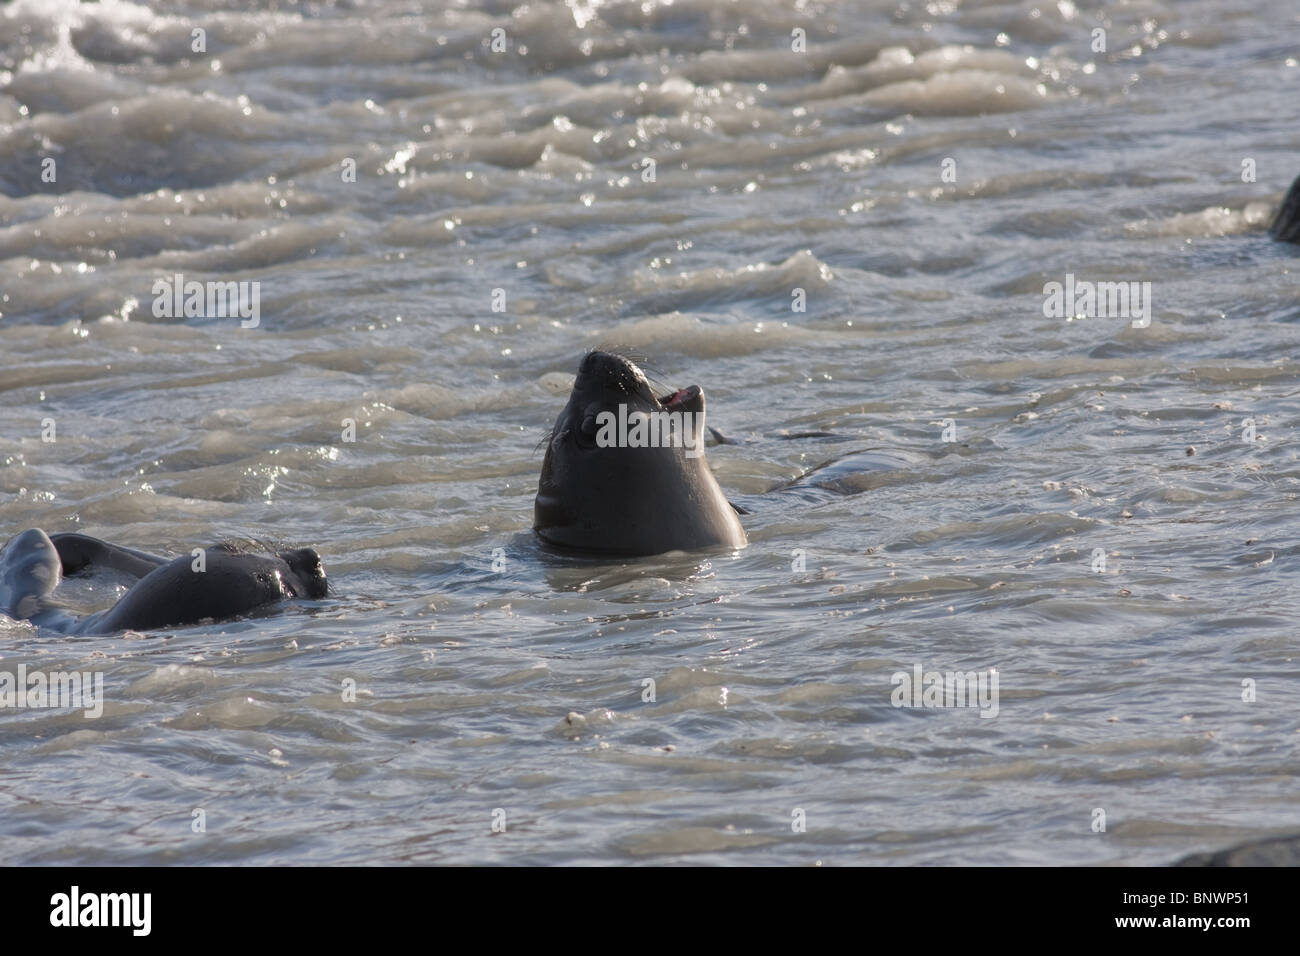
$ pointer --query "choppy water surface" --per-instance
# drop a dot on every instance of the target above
(774, 170)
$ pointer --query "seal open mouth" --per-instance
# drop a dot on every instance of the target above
(680, 399)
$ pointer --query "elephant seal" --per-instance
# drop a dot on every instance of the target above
(624, 472)
(1286, 224)
(228, 582)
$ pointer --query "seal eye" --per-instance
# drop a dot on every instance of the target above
(587, 432)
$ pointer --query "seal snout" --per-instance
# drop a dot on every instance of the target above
(599, 365)
(610, 371)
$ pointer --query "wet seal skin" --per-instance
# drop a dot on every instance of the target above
(228, 582)
(1273, 851)
(622, 499)
(1286, 224)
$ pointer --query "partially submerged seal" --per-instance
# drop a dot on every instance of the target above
(226, 582)
(605, 489)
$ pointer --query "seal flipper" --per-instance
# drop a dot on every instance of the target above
(78, 551)
(30, 570)
(1286, 224)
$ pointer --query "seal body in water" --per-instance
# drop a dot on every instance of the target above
(1286, 224)
(608, 489)
(1274, 851)
(228, 582)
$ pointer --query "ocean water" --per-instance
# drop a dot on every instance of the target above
(842, 221)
